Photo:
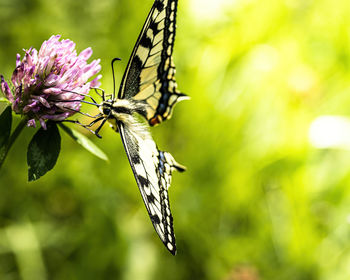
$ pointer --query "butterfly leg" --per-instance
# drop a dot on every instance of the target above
(99, 128)
(102, 95)
(95, 121)
(85, 126)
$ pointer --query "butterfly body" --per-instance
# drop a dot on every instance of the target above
(122, 110)
(148, 89)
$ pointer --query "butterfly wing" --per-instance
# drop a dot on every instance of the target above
(152, 170)
(150, 73)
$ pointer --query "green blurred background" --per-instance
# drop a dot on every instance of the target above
(265, 137)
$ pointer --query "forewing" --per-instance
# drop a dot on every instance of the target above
(152, 170)
(150, 74)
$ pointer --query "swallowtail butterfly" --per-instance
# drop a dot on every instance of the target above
(148, 89)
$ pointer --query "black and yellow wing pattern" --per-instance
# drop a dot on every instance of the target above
(152, 170)
(150, 73)
(149, 88)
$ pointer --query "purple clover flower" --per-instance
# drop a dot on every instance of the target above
(43, 80)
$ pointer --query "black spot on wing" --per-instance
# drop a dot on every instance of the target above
(154, 27)
(155, 219)
(133, 79)
(151, 198)
(143, 181)
(135, 158)
(159, 5)
(146, 42)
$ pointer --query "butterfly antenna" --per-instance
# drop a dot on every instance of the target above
(81, 94)
(82, 101)
(112, 63)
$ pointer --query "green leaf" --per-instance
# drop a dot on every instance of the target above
(85, 142)
(43, 151)
(5, 131)
(3, 99)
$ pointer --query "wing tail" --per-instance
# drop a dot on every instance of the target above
(172, 162)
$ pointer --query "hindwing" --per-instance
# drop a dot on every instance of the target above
(152, 170)
(150, 73)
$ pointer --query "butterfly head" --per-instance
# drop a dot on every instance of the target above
(106, 108)
(117, 110)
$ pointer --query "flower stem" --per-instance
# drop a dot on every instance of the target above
(13, 138)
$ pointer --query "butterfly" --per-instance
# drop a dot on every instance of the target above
(146, 97)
